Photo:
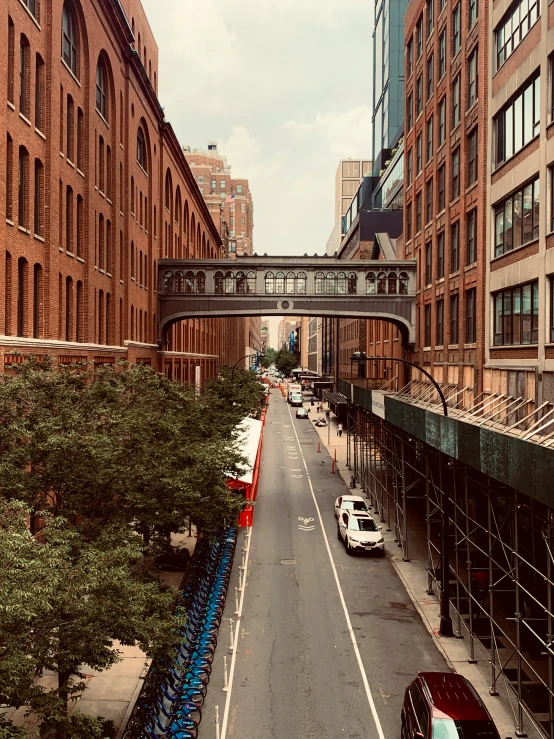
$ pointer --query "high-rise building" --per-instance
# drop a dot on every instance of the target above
(265, 335)
(285, 330)
(349, 174)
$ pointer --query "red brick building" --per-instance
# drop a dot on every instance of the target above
(96, 189)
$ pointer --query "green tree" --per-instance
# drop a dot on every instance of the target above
(268, 357)
(285, 361)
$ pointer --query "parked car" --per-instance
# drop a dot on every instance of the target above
(359, 532)
(350, 503)
(302, 413)
(443, 705)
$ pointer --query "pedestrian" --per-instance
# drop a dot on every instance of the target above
(339, 429)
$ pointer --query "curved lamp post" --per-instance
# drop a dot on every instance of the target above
(246, 356)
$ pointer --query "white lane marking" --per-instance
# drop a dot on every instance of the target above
(305, 521)
(341, 596)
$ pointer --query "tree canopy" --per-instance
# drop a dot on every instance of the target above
(285, 361)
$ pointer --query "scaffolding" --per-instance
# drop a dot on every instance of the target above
(499, 554)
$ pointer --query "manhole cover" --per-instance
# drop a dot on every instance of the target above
(288, 561)
(399, 606)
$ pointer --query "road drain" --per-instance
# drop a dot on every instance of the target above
(288, 561)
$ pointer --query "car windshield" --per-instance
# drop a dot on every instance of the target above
(363, 524)
(353, 505)
(450, 729)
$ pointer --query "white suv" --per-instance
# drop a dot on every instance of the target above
(359, 532)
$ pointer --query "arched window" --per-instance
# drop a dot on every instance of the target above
(251, 282)
(403, 283)
(102, 88)
(218, 282)
(301, 283)
(168, 281)
(269, 283)
(189, 282)
(168, 190)
(241, 283)
(392, 283)
(289, 283)
(200, 282)
(352, 283)
(381, 283)
(141, 152)
(70, 47)
(331, 283)
(341, 283)
(229, 283)
(280, 283)
(320, 283)
(370, 283)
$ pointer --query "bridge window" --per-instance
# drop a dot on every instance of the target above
(370, 283)
(189, 282)
(381, 283)
(200, 282)
(331, 283)
(229, 283)
(241, 283)
(251, 282)
(218, 277)
(168, 282)
(269, 283)
(280, 282)
(179, 282)
(301, 283)
(341, 283)
(403, 284)
(392, 283)
(352, 283)
(289, 285)
(320, 283)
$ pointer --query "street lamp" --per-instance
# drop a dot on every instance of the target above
(246, 356)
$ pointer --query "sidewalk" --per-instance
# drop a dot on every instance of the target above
(413, 575)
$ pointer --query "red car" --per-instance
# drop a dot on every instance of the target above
(443, 705)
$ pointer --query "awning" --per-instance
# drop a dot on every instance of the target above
(335, 398)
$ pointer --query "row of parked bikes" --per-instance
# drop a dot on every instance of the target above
(170, 704)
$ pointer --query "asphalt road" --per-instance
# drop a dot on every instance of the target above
(327, 641)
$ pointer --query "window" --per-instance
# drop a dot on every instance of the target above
(472, 157)
(428, 263)
(409, 221)
(473, 12)
(418, 213)
(454, 319)
(514, 27)
(141, 149)
(24, 77)
(429, 139)
(419, 36)
(430, 19)
(409, 58)
(69, 39)
(101, 164)
(39, 93)
(551, 175)
(439, 338)
(455, 247)
(429, 201)
(440, 255)
(455, 174)
(69, 219)
(38, 220)
(11, 60)
(516, 219)
(442, 121)
(516, 315)
(409, 112)
(419, 146)
(102, 89)
(471, 247)
(70, 130)
(419, 95)
(442, 54)
(21, 295)
(23, 188)
(409, 159)
(430, 75)
(441, 189)
(427, 309)
(9, 178)
(518, 123)
(80, 139)
(456, 39)
(551, 281)
(456, 102)
(471, 316)
(37, 299)
(472, 79)
(239, 189)
(80, 226)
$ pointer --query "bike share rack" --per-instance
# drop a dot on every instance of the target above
(170, 702)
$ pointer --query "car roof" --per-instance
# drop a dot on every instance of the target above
(359, 514)
(352, 497)
(453, 696)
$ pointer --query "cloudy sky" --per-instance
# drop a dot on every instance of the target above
(283, 86)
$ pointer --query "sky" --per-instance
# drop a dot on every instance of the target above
(284, 87)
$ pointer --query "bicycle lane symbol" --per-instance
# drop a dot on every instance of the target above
(305, 525)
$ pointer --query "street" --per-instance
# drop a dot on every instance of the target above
(327, 642)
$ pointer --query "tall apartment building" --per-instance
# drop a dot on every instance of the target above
(349, 174)
(95, 189)
(445, 163)
(229, 201)
(285, 329)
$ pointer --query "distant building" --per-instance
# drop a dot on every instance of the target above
(348, 176)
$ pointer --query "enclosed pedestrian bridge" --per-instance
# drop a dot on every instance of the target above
(295, 286)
